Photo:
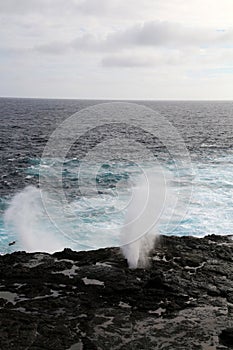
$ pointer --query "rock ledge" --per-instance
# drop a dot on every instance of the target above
(92, 300)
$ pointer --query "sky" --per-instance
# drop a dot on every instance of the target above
(117, 49)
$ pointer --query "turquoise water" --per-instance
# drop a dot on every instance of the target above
(91, 213)
(96, 221)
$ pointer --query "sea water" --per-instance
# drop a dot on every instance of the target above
(97, 218)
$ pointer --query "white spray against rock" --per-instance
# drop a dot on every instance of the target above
(25, 215)
(144, 210)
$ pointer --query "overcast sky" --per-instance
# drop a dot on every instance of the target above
(117, 49)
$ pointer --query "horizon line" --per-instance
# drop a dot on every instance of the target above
(116, 99)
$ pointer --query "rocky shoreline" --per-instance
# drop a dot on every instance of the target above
(92, 300)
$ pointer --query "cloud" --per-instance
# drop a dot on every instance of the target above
(154, 34)
(96, 7)
(182, 58)
(75, 7)
(54, 48)
(114, 9)
(87, 43)
(84, 43)
(21, 7)
(126, 61)
(158, 33)
(144, 61)
(39, 7)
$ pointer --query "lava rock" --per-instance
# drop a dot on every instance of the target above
(226, 337)
(92, 300)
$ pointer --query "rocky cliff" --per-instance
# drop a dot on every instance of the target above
(92, 300)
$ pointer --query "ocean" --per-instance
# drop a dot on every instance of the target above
(69, 181)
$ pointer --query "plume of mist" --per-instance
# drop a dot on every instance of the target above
(25, 216)
(139, 232)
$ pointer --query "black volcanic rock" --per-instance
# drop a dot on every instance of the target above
(226, 337)
(92, 300)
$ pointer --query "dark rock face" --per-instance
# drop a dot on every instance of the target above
(92, 300)
(227, 337)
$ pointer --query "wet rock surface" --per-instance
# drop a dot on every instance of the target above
(92, 300)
